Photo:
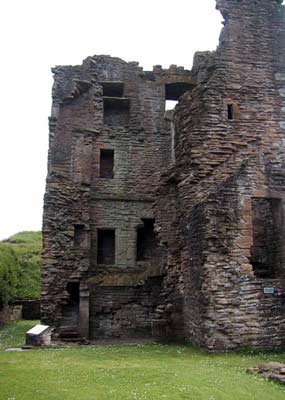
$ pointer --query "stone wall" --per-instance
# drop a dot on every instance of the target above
(31, 309)
(125, 311)
(10, 313)
(208, 178)
(229, 151)
(106, 104)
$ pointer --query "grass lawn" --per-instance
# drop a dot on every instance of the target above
(152, 372)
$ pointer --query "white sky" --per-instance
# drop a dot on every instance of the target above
(38, 34)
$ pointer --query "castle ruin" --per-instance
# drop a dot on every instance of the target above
(169, 224)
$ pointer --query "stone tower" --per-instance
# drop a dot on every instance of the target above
(171, 223)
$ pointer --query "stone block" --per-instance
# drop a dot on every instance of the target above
(39, 335)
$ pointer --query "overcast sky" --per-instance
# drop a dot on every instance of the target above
(38, 34)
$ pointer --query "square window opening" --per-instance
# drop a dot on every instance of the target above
(116, 111)
(113, 89)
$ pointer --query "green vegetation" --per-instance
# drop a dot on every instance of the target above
(9, 271)
(29, 238)
(20, 267)
(151, 372)
(13, 335)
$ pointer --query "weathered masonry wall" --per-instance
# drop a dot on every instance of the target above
(227, 241)
(103, 266)
(170, 224)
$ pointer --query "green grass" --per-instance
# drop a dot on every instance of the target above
(152, 372)
(13, 335)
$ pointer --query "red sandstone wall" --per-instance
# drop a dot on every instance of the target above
(220, 165)
(84, 122)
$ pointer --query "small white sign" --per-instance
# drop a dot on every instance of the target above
(38, 329)
(268, 290)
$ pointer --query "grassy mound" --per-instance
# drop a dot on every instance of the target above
(29, 238)
(20, 267)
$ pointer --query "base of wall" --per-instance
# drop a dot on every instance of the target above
(11, 313)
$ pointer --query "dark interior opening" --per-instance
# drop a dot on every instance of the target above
(146, 241)
(113, 89)
(230, 111)
(79, 235)
(70, 311)
(175, 90)
(106, 163)
(116, 111)
(106, 246)
(266, 251)
(73, 290)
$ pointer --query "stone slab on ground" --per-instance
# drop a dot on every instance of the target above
(273, 371)
(15, 350)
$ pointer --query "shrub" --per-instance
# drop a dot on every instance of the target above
(9, 274)
(20, 267)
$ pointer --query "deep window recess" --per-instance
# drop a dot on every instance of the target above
(113, 89)
(116, 107)
(106, 246)
(230, 111)
(107, 164)
(146, 240)
(116, 111)
(79, 235)
(266, 252)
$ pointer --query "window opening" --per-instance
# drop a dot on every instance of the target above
(116, 111)
(113, 89)
(107, 164)
(146, 240)
(266, 251)
(106, 246)
(173, 91)
(230, 111)
(79, 235)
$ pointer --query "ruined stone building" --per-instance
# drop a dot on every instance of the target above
(170, 224)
